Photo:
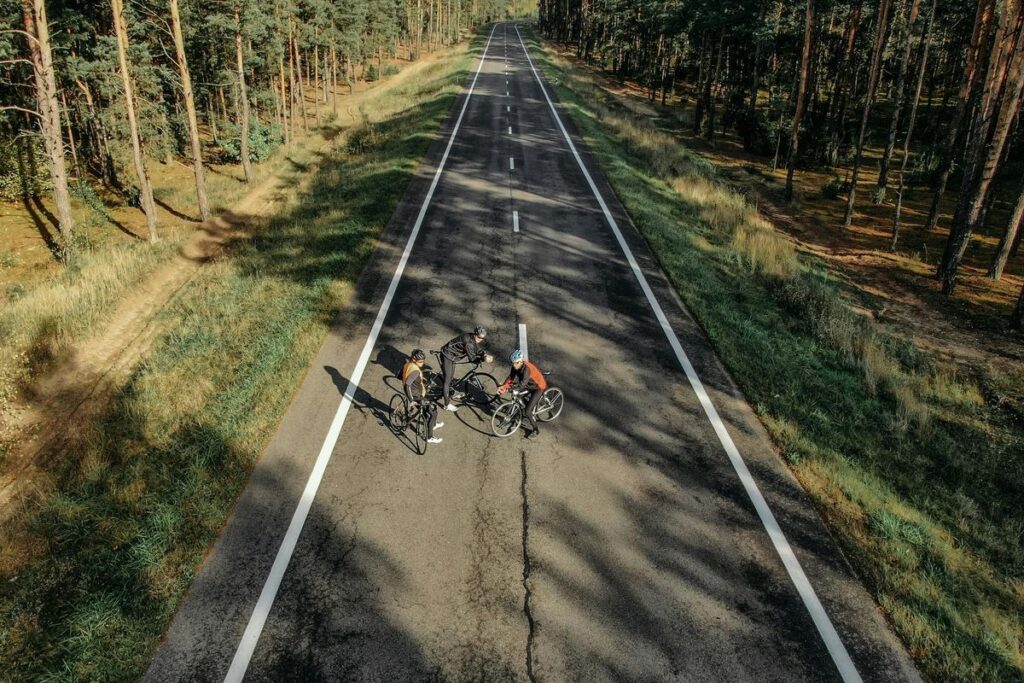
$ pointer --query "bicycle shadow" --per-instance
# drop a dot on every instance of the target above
(482, 413)
(361, 399)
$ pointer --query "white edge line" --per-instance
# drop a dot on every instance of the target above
(515, 221)
(247, 645)
(522, 341)
(828, 633)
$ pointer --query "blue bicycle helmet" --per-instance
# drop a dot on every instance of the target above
(516, 356)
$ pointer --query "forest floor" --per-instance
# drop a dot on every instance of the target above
(900, 411)
(897, 288)
(139, 383)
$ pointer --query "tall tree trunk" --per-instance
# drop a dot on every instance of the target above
(1009, 240)
(960, 123)
(291, 80)
(145, 189)
(244, 97)
(302, 90)
(71, 136)
(211, 116)
(801, 98)
(999, 105)
(921, 67)
(104, 160)
(334, 79)
(1017, 320)
(897, 98)
(711, 89)
(286, 108)
(838, 100)
(223, 104)
(38, 31)
(419, 28)
(316, 83)
(190, 111)
(881, 31)
(703, 76)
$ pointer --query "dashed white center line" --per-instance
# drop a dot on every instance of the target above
(522, 341)
(515, 221)
(510, 130)
(508, 107)
(511, 164)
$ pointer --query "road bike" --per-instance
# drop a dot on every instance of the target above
(508, 417)
(478, 388)
(409, 416)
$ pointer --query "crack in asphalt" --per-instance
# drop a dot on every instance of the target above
(526, 570)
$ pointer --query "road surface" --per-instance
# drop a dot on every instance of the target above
(622, 544)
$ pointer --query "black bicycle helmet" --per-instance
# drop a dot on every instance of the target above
(417, 354)
(480, 331)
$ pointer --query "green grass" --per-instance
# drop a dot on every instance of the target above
(92, 571)
(915, 464)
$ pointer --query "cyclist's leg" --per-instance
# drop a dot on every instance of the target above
(431, 413)
(531, 406)
(448, 369)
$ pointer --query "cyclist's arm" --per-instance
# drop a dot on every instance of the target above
(411, 387)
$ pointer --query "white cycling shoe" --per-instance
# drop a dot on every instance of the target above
(439, 425)
(452, 407)
(435, 439)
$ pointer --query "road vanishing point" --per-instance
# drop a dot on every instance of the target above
(651, 533)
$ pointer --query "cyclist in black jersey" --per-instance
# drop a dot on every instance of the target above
(466, 348)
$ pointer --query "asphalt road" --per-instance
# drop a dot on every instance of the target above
(620, 545)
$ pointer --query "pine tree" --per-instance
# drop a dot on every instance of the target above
(145, 189)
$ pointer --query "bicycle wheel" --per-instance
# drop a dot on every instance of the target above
(419, 433)
(481, 388)
(506, 419)
(399, 415)
(550, 405)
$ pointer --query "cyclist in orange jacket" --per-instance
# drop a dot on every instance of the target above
(416, 392)
(525, 376)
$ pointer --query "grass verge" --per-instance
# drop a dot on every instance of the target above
(92, 572)
(915, 464)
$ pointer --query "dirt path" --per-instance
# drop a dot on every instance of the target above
(69, 396)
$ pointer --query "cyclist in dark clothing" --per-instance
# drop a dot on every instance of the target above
(466, 348)
(416, 391)
(525, 376)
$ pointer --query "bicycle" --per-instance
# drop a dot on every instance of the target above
(509, 415)
(404, 416)
(478, 388)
